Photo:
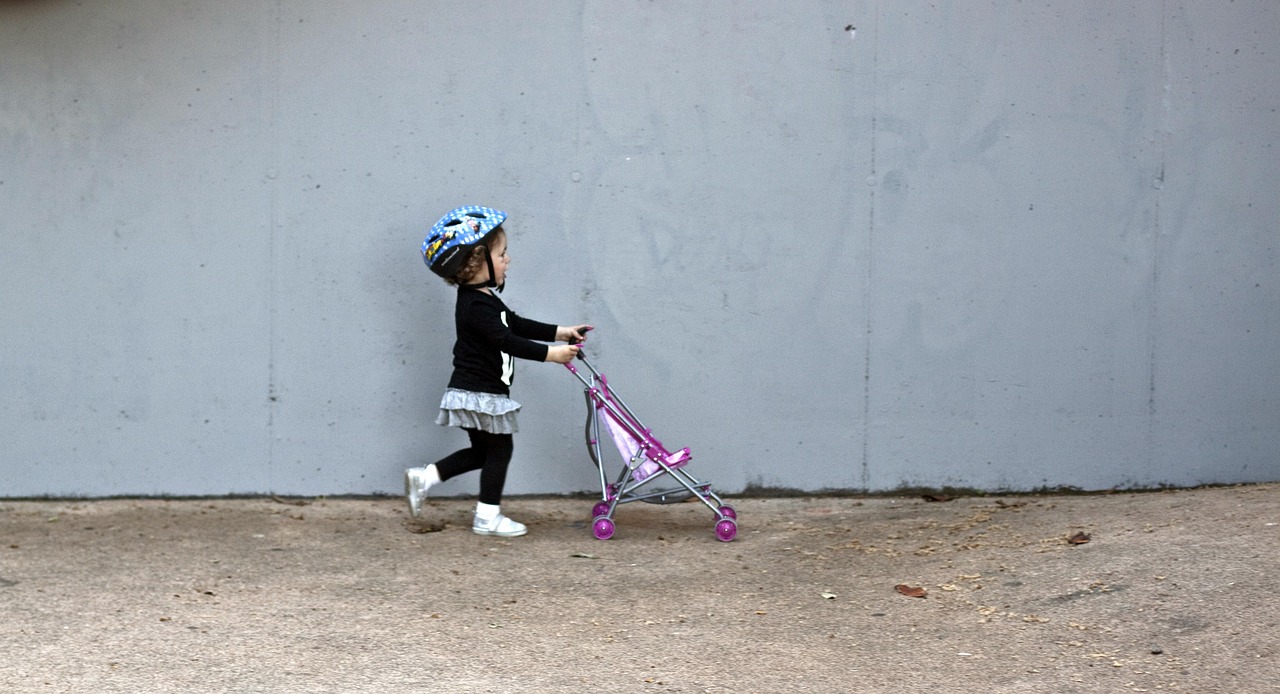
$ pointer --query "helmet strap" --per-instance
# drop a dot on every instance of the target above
(491, 282)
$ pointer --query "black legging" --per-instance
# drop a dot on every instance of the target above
(490, 454)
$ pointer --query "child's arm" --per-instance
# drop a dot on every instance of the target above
(486, 322)
(531, 329)
(516, 336)
(572, 334)
(562, 354)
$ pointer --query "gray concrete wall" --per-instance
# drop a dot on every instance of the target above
(828, 245)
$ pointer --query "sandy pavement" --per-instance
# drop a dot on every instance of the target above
(1172, 591)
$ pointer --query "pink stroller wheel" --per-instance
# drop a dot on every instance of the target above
(602, 528)
(728, 512)
(600, 509)
(726, 530)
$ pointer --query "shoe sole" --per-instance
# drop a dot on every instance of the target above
(495, 533)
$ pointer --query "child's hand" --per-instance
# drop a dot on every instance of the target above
(562, 354)
(572, 333)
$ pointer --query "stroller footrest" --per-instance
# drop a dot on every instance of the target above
(651, 467)
(679, 458)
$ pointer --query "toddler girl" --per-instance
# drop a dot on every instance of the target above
(468, 248)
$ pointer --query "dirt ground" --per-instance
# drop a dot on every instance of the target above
(1172, 591)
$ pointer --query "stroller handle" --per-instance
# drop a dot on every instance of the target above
(577, 341)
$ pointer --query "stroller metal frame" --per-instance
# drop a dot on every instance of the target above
(648, 461)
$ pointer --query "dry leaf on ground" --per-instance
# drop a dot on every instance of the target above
(911, 591)
(1079, 538)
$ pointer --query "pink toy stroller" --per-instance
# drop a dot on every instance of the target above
(645, 460)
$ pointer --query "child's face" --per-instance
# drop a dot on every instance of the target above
(498, 253)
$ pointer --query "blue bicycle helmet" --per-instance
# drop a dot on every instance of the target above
(450, 241)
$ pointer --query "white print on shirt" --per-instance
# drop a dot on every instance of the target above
(508, 364)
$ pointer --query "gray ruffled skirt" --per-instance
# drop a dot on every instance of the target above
(489, 412)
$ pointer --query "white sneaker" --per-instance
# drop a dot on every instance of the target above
(415, 489)
(500, 525)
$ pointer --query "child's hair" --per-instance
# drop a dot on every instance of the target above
(476, 259)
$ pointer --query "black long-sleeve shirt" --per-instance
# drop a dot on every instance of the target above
(489, 336)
